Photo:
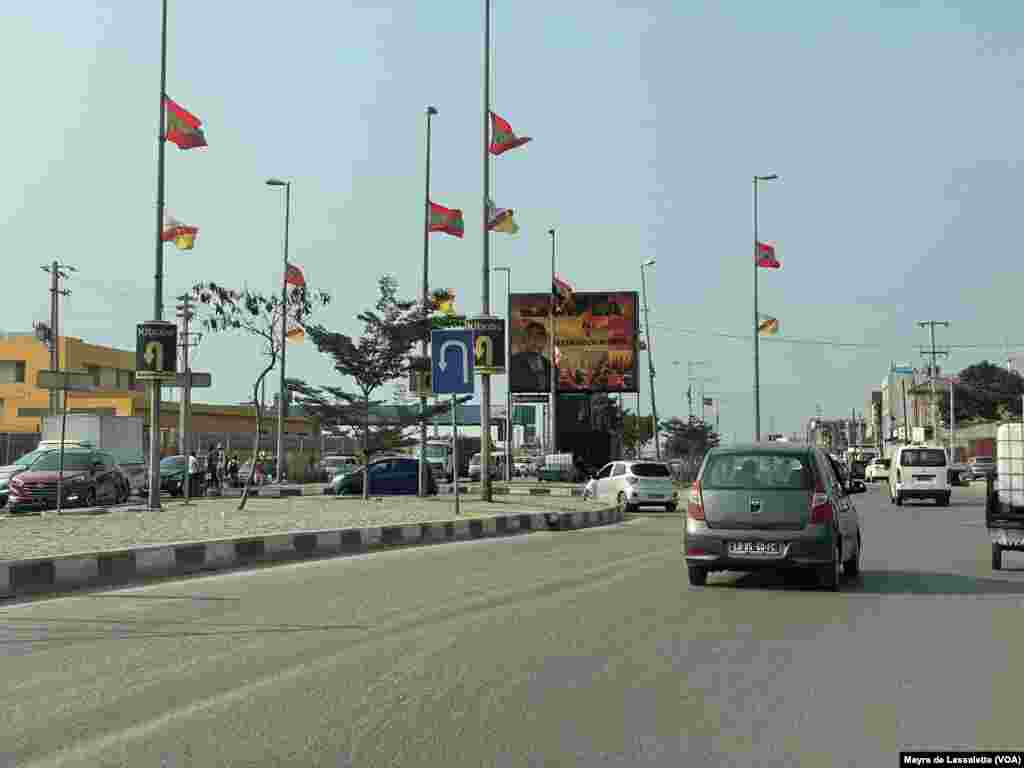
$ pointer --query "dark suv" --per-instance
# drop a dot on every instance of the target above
(91, 477)
(388, 475)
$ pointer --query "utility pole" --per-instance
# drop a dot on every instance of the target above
(933, 353)
(185, 314)
(57, 273)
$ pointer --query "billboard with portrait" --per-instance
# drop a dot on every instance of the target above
(595, 342)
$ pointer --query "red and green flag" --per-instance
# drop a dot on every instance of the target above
(766, 256)
(293, 276)
(183, 128)
(502, 137)
(447, 220)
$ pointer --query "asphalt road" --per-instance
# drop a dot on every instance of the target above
(579, 648)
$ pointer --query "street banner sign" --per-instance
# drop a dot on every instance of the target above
(156, 350)
(451, 359)
(73, 381)
(488, 343)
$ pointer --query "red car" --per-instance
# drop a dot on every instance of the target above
(90, 478)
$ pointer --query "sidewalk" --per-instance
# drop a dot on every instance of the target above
(56, 553)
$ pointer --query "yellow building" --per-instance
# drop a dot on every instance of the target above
(23, 404)
(23, 356)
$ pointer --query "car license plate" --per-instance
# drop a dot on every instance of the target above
(755, 548)
(926, 478)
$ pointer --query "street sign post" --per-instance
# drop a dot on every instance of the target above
(75, 381)
(156, 348)
(488, 343)
(451, 360)
(199, 380)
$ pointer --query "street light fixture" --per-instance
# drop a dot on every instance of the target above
(650, 356)
(283, 396)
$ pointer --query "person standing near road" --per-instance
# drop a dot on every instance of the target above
(193, 471)
(211, 466)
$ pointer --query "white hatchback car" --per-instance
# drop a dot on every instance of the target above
(632, 484)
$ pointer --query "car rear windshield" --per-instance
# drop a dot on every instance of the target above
(742, 471)
(923, 457)
(650, 470)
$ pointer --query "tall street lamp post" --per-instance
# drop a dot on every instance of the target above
(650, 356)
(757, 346)
(283, 396)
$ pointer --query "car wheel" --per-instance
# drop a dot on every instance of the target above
(945, 501)
(898, 499)
(997, 557)
(851, 568)
(90, 498)
(698, 575)
(828, 575)
(670, 507)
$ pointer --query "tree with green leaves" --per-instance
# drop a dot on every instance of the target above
(225, 310)
(985, 392)
(380, 355)
(689, 440)
(636, 430)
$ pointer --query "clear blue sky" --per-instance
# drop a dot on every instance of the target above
(895, 128)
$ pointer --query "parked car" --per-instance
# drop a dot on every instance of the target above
(90, 477)
(172, 477)
(960, 474)
(388, 476)
(980, 466)
(331, 466)
(497, 466)
(877, 470)
(634, 484)
(15, 469)
(919, 472)
(268, 471)
(766, 505)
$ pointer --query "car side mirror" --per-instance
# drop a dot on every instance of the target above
(856, 486)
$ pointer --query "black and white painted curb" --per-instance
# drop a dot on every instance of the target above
(69, 572)
(503, 490)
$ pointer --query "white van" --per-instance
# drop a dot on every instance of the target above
(919, 472)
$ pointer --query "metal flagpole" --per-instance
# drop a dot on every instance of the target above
(426, 300)
(553, 367)
(485, 378)
(282, 399)
(757, 349)
(158, 283)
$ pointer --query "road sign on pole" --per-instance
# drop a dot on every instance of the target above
(488, 343)
(451, 359)
(73, 381)
(156, 349)
(199, 380)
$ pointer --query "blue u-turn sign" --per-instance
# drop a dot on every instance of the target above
(451, 360)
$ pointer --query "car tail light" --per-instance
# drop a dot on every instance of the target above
(695, 551)
(821, 505)
(695, 509)
(632, 480)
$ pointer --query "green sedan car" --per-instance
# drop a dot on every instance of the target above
(772, 506)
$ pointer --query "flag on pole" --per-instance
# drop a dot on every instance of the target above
(182, 235)
(183, 128)
(767, 326)
(295, 333)
(561, 291)
(500, 219)
(447, 220)
(502, 137)
(766, 256)
(293, 276)
(444, 302)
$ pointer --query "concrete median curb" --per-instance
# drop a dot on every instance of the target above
(498, 490)
(67, 573)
